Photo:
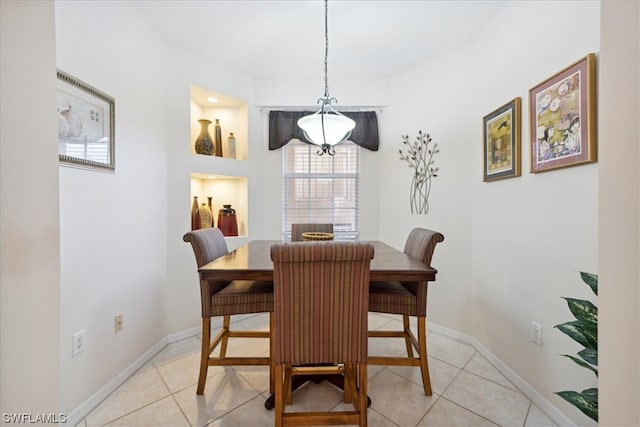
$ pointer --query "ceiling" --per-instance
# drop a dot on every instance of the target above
(286, 37)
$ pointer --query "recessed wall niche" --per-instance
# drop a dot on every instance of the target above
(223, 190)
(232, 114)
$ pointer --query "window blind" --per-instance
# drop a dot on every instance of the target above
(321, 189)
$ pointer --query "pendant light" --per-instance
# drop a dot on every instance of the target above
(326, 127)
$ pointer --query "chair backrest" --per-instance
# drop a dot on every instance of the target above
(421, 244)
(207, 243)
(298, 229)
(321, 292)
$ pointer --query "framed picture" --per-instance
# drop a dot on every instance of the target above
(86, 125)
(502, 142)
(563, 118)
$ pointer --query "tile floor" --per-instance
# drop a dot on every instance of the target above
(467, 390)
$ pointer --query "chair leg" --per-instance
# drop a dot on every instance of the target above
(407, 339)
(272, 374)
(204, 356)
(424, 363)
(362, 393)
(349, 382)
(279, 409)
(226, 321)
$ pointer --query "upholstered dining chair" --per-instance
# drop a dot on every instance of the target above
(321, 292)
(298, 229)
(407, 299)
(225, 299)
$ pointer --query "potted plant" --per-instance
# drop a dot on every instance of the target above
(584, 330)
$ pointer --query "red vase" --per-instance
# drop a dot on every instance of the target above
(227, 222)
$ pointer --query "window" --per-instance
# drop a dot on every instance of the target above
(321, 189)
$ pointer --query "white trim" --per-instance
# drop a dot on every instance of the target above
(187, 333)
(543, 404)
(91, 403)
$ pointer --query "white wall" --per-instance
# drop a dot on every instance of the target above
(113, 226)
(29, 239)
(512, 248)
(619, 296)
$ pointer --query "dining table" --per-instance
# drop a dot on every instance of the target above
(252, 261)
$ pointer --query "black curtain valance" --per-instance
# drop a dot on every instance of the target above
(283, 127)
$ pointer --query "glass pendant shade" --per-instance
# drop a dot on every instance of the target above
(325, 127)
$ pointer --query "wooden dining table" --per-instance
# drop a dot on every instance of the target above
(252, 261)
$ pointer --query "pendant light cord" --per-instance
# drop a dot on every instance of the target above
(326, 49)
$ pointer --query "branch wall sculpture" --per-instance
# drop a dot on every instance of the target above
(419, 156)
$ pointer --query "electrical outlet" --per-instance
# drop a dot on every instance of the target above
(77, 343)
(118, 323)
(536, 333)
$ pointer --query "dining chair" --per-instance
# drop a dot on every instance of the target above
(407, 299)
(298, 229)
(225, 299)
(321, 291)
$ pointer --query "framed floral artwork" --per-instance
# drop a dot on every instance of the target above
(86, 125)
(563, 118)
(501, 131)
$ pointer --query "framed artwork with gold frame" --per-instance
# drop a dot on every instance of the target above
(501, 131)
(562, 113)
(86, 125)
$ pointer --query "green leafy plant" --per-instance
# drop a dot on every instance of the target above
(419, 156)
(584, 330)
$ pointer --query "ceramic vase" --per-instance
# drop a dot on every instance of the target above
(195, 214)
(227, 222)
(218, 147)
(204, 143)
(206, 217)
(231, 146)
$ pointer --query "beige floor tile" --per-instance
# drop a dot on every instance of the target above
(374, 418)
(399, 399)
(449, 350)
(222, 394)
(537, 418)
(441, 374)
(259, 322)
(138, 391)
(315, 397)
(257, 376)
(163, 413)
(447, 414)
(177, 350)
(182, 373)
(481, 367)
(251, 413)
(386, 347)
(246, 347)
(497, 403)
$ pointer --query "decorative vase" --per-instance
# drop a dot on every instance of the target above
(195, 214)
(211, 209)
(218, 148)
(206, 216)
(227, 222)
(231, 146)
(204, 143)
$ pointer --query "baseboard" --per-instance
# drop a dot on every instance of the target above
(543, 404)
(187, 333)
(88, 405)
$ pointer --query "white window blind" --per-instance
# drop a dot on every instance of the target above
(321, 189)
